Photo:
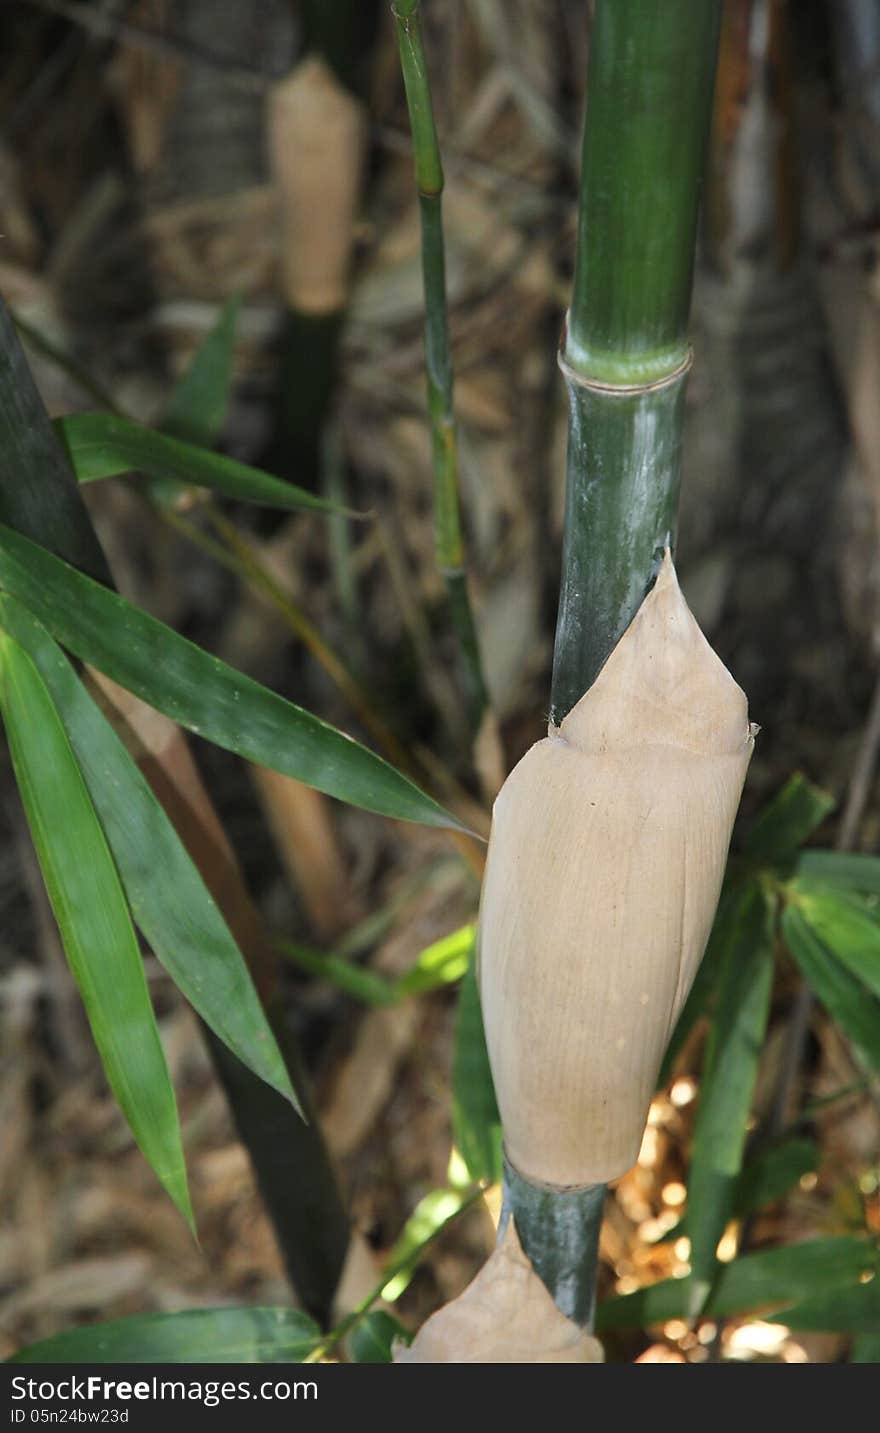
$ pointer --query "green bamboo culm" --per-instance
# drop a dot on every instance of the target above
(625, 353)
(438, 359)
(625, 358)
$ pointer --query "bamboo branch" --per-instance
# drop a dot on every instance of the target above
(438, 358)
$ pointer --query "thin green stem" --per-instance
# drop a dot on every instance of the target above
(438, 357)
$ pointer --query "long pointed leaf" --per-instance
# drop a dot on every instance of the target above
(243, 1335)
(165, 892)
(849, 933)
(201, 692)
(93, 918)
(196, 410)
(727, 1084)
(103, 445)
(476, 1122)
(852, 1310)
(786, 822)
(847, 1001)
(754, 1283)
(847, 870)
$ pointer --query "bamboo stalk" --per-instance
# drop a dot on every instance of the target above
(438, 359)
(625, 358)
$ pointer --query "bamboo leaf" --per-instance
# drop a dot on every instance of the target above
(476, 1122)
(734, 900)
(848, 932)
(729, 1074)
(842, 869)
(354, 980)
(866, 1349)
(93, 918)
(423, 1225)
(201, 692)
(196, 410)
(372, 1340)
(243, 1335)
(754, 1283)
(789, 819)
(165, 892)
(442, 963)
(772, 1174)
(103, 445)
(847, 1001)
(852, 1310)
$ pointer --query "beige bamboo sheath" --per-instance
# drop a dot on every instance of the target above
(317, 137)
(607, 853)
(505, 1315)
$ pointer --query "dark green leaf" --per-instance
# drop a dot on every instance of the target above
(789, 819)
(476, 1122)
(847, 1001)
(769, 1177)
(200, 691)
(852, 1310)
(728, 1080)
(102, 445)
(847, 931)
(372, 1338)
(93, 918)
(866, 1348)
(197, 1336)
(839, 868)
(734, 900)
(432, 1213)
(165, 892)
(754, 1283)
(38, 492)
(197, 408)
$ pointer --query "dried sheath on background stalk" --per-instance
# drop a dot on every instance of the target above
(317, 138)
(607, 854)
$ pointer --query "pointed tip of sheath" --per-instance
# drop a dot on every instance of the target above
(663, 684)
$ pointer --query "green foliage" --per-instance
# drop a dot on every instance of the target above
(165, 893)
(475, 1119)
(92, 915)
(196, 410)
(201, 692)
(787, 822)
(373, 1339)
(102, 445)
(244, 1335)
(729, 1072)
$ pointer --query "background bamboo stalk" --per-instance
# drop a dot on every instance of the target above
(625, 358)
(438, 359)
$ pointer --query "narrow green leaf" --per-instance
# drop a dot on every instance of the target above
(847, 1001)
(842, 869)
(423, 1225)
(167, 897)
(354, 980)
(734, 900)
(196, 410)
(476, 1122)
(789, 819)
(372, 1340)
(93, 918)
(726, 1087)
(103, 445)
(852, 1310)
(772, 1174)
(245, 1335)
(754, 1283)
(442, 963)
(848, 932)
(201, 692)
